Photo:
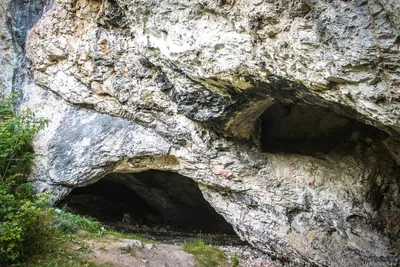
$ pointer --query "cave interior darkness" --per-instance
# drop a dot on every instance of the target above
(307, 129)
(151, 198)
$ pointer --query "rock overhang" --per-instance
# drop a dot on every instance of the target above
(185, 104)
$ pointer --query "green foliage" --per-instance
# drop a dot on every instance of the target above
(25, 224)
(25, 218)
(16, 132)
(205, 255)
(235, 261)
(70, 223)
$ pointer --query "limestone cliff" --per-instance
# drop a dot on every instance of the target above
(286, 113)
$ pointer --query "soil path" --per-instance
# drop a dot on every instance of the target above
(134, 253)
(120, 252)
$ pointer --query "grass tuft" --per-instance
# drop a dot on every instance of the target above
(130, 236)
(70, 223)
(205, 255)
(235, 261)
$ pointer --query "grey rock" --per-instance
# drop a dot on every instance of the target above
(181, 86)
(7, 53)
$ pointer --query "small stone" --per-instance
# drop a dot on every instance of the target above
(136, 243)
(149, 246)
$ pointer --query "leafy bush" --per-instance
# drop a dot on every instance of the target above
(16, 132)
(25, 225)
(25, 218)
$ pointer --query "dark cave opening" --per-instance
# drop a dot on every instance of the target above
(108, 201)
(311, 130)
(151, 198)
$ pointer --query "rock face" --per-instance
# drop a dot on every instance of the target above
(286, 113)
(7, 54)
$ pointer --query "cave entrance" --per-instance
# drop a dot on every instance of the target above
(311, 130)
(150, 198)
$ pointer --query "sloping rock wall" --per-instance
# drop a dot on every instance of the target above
(180, 86)
(7, 54)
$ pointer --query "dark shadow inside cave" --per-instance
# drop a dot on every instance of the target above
(151, 198)
(311, 130)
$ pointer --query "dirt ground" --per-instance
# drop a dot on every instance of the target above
(110, 250)
(134, 253)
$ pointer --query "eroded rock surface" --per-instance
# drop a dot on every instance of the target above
(203, 88)
(7, 54)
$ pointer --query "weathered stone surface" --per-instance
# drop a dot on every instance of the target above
(7, 55)
(16, 18)
(179, 86)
